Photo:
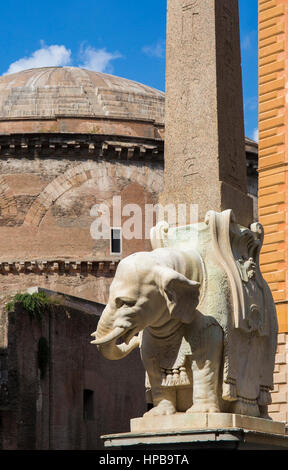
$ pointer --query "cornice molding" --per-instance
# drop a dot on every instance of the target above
(81, 145)
(60, 267)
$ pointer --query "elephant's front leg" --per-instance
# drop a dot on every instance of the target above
(206, 365)
(164, 398)
(164, 403)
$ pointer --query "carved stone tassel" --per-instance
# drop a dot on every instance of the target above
(183, 376)
(176, 380)
(169, 378)
(229, 392)
(163, 375)
(264, 397)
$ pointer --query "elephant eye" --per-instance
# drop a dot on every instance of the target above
(121, 301)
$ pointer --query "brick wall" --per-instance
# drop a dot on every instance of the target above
(52, 199)
(48, 412)
(273, 17)
(45, 221)
(273, 178)
(279, 409)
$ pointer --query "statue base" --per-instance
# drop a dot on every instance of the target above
(183, 421)
(200, 431)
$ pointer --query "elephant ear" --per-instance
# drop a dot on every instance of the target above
(181, 294)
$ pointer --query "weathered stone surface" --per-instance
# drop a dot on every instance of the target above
(204, 127)
(182, 421)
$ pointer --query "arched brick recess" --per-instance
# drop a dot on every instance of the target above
(150, 179)
(8, 206)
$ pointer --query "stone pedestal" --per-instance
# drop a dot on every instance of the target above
(200, 431)
(212, 421)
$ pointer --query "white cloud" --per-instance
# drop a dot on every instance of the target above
(155, 50)
(256, 135)
(251, 104)
(249, 41)
(47, 56)
(98, 60)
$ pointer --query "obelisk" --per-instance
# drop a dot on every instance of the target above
(205, 160)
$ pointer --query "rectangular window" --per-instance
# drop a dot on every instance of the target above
(116, 241)
(88, 404)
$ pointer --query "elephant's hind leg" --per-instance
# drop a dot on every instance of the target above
(206, 366)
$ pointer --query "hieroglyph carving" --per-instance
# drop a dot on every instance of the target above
(206, 318)
(230, 74)
(190, 11)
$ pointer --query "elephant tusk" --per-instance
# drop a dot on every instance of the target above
(133, 343)
(116, 333)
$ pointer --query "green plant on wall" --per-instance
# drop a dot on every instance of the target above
(34, 303)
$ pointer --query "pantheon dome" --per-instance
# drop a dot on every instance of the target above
(70, 99)
(70, 139)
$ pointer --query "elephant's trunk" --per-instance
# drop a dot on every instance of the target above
(106, 337)
(114, 351)
(110, 337)
(105, 324)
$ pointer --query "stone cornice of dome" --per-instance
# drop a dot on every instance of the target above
(55, 117)
(67, 145)
(55, 145)
(60, 266)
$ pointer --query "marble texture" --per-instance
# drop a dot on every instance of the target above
(202, 315)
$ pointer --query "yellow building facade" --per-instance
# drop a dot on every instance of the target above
(273, 177)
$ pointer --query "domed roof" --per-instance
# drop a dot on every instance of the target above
(55, 93)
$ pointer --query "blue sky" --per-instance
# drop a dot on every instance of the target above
(122, 37)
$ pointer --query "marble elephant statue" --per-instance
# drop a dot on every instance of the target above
(157, 293)
(202, 315)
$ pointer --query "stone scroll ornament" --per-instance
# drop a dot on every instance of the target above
(202, 315)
